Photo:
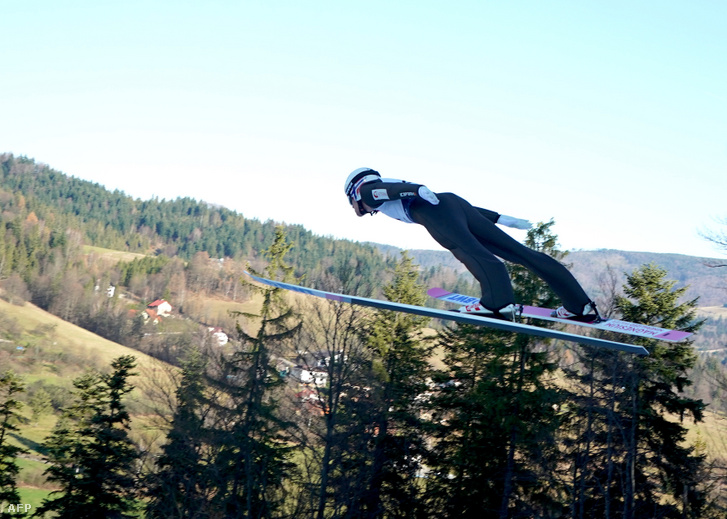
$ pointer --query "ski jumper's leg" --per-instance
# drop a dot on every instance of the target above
(496, 241)
(550, 270)
(449, 224)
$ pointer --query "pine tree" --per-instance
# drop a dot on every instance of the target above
(495, 415)
(400, 367)
(11, 386)
(90, 453)
(626, 441)
(655, 391)
(253, 461)
(181, 487)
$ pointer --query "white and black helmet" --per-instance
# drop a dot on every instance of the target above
(357, 178)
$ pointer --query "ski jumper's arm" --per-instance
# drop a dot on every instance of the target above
(490, 215)
(507, 221)
(374, 194)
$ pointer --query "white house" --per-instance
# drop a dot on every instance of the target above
(218, 334)
(161, 306)
(316, 376)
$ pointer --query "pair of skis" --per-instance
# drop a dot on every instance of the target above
(498, 324)
(534, 312)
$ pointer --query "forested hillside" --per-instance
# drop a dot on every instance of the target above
(31, 192)
(191, 250)
(291, 408)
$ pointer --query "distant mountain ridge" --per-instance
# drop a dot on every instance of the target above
(707, 283)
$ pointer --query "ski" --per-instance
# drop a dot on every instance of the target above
(496, 324)
(614, 325)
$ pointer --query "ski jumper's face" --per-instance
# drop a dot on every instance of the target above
(360, 207)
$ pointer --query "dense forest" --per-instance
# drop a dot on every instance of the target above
(190, 250)
(180, 228)
(316, 409)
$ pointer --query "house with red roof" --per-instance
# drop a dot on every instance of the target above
(161, 307)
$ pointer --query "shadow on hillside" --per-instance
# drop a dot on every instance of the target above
(29, 444)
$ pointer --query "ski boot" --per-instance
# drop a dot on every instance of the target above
(510, 312)
(589, 315)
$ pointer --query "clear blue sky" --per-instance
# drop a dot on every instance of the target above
(610, 117)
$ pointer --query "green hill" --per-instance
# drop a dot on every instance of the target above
(49, 353)
(180, 227)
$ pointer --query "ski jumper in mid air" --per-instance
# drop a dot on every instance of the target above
(471, 235)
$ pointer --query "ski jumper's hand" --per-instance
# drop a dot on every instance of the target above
(515, 223)
(426, 194)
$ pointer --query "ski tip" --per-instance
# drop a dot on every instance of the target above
(673, 335)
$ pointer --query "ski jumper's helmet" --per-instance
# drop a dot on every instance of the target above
(356, 179)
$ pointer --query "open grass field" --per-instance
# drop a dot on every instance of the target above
(54, 352)
(711, 433)
(111, 256)
(223, 308)
(40, 329)
(32, 497)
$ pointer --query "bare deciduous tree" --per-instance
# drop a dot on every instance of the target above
(719, 238)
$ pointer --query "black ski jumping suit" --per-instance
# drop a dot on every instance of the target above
(471, 235)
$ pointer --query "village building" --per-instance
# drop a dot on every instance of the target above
(308, 375)
(161, 307)
(219, 335)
